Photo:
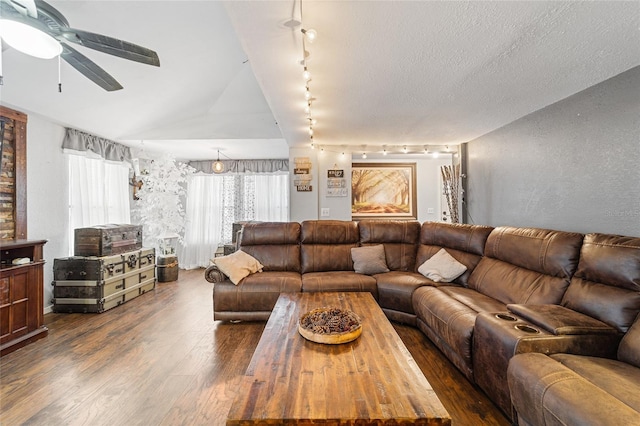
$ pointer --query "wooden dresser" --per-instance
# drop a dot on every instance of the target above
(21, 294)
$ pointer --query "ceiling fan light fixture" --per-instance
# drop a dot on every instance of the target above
(29, 40)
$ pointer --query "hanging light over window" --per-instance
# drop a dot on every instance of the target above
(218, 166)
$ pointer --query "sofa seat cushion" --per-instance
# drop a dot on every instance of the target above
(396, 288)
(474, 300)
(449, 321)
(257, 292)
(619, 379)
(546, 392)
(338, 281)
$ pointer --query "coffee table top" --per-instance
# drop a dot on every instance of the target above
(371, 379)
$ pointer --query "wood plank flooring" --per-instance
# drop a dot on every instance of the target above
(160, 359)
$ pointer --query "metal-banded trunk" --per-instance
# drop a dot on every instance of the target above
(96, 284)
(105, 240)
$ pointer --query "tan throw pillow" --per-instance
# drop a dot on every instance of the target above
(442, 267)
(369, 260)
(238, 265)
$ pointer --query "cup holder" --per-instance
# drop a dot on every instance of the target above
(526, 328)
(506, 317)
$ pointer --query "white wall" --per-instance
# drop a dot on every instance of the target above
(572, 166)
(309, 205)
(47, 194)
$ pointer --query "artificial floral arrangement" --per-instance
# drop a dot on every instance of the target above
(159, 205)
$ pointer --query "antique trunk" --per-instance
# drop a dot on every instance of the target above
(105, 240)
(96, 284)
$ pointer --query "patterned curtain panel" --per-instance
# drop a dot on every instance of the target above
(216, 202)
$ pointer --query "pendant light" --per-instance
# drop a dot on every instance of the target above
(218, 166)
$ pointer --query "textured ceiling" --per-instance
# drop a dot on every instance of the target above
(384, 72)
(431, 72)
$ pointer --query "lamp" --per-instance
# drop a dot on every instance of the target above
(218, 166)
(29, 40)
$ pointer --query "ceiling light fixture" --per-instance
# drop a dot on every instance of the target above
(218, 166)
(307, 35)
(311, 35)
(29, 40)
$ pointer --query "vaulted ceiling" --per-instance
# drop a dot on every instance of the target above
(383, 72)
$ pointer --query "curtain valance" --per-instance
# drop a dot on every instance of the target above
(76, 140)
(243, 166)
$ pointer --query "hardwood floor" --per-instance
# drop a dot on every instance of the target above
(160, 359)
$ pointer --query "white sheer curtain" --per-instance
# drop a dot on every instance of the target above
(272, 198)
(203, 227)
(215, 202)
(98, 192)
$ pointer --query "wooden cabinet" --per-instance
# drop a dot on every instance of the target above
(21, 294)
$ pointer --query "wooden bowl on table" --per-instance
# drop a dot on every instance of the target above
(330, 326)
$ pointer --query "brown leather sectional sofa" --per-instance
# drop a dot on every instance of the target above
(527, 293)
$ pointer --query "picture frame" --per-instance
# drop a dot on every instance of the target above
(383, 190)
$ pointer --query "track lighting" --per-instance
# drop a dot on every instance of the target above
(311, 35)
(306, 74)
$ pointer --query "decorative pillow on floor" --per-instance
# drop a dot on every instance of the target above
(442, 267)
(369, 260)
(238, 265)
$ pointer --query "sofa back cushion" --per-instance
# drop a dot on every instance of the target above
(527, 265)
(629, 349)
(326, 245)
(464, 242)
(606, 284)
(276, 245)
(399, 237)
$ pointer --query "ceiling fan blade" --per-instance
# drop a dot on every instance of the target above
(112, 46)
(24, 7)
(89, 69)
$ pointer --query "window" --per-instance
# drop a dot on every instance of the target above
(215, 202)
(98, 192)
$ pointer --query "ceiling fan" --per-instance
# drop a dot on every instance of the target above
(42, 16)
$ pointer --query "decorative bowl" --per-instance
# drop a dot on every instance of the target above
(330, 326)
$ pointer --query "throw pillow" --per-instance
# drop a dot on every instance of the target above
(238, 265)
(369, 260)
(442, 267)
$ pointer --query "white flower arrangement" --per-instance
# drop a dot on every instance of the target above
(159, 205)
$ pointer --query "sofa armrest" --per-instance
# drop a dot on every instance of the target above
(214, 275)
(559, 320)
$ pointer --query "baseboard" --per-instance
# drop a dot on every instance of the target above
(48, 309)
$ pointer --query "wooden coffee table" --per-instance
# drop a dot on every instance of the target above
(373, 379)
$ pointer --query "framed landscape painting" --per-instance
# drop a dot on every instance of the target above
(383, 190)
